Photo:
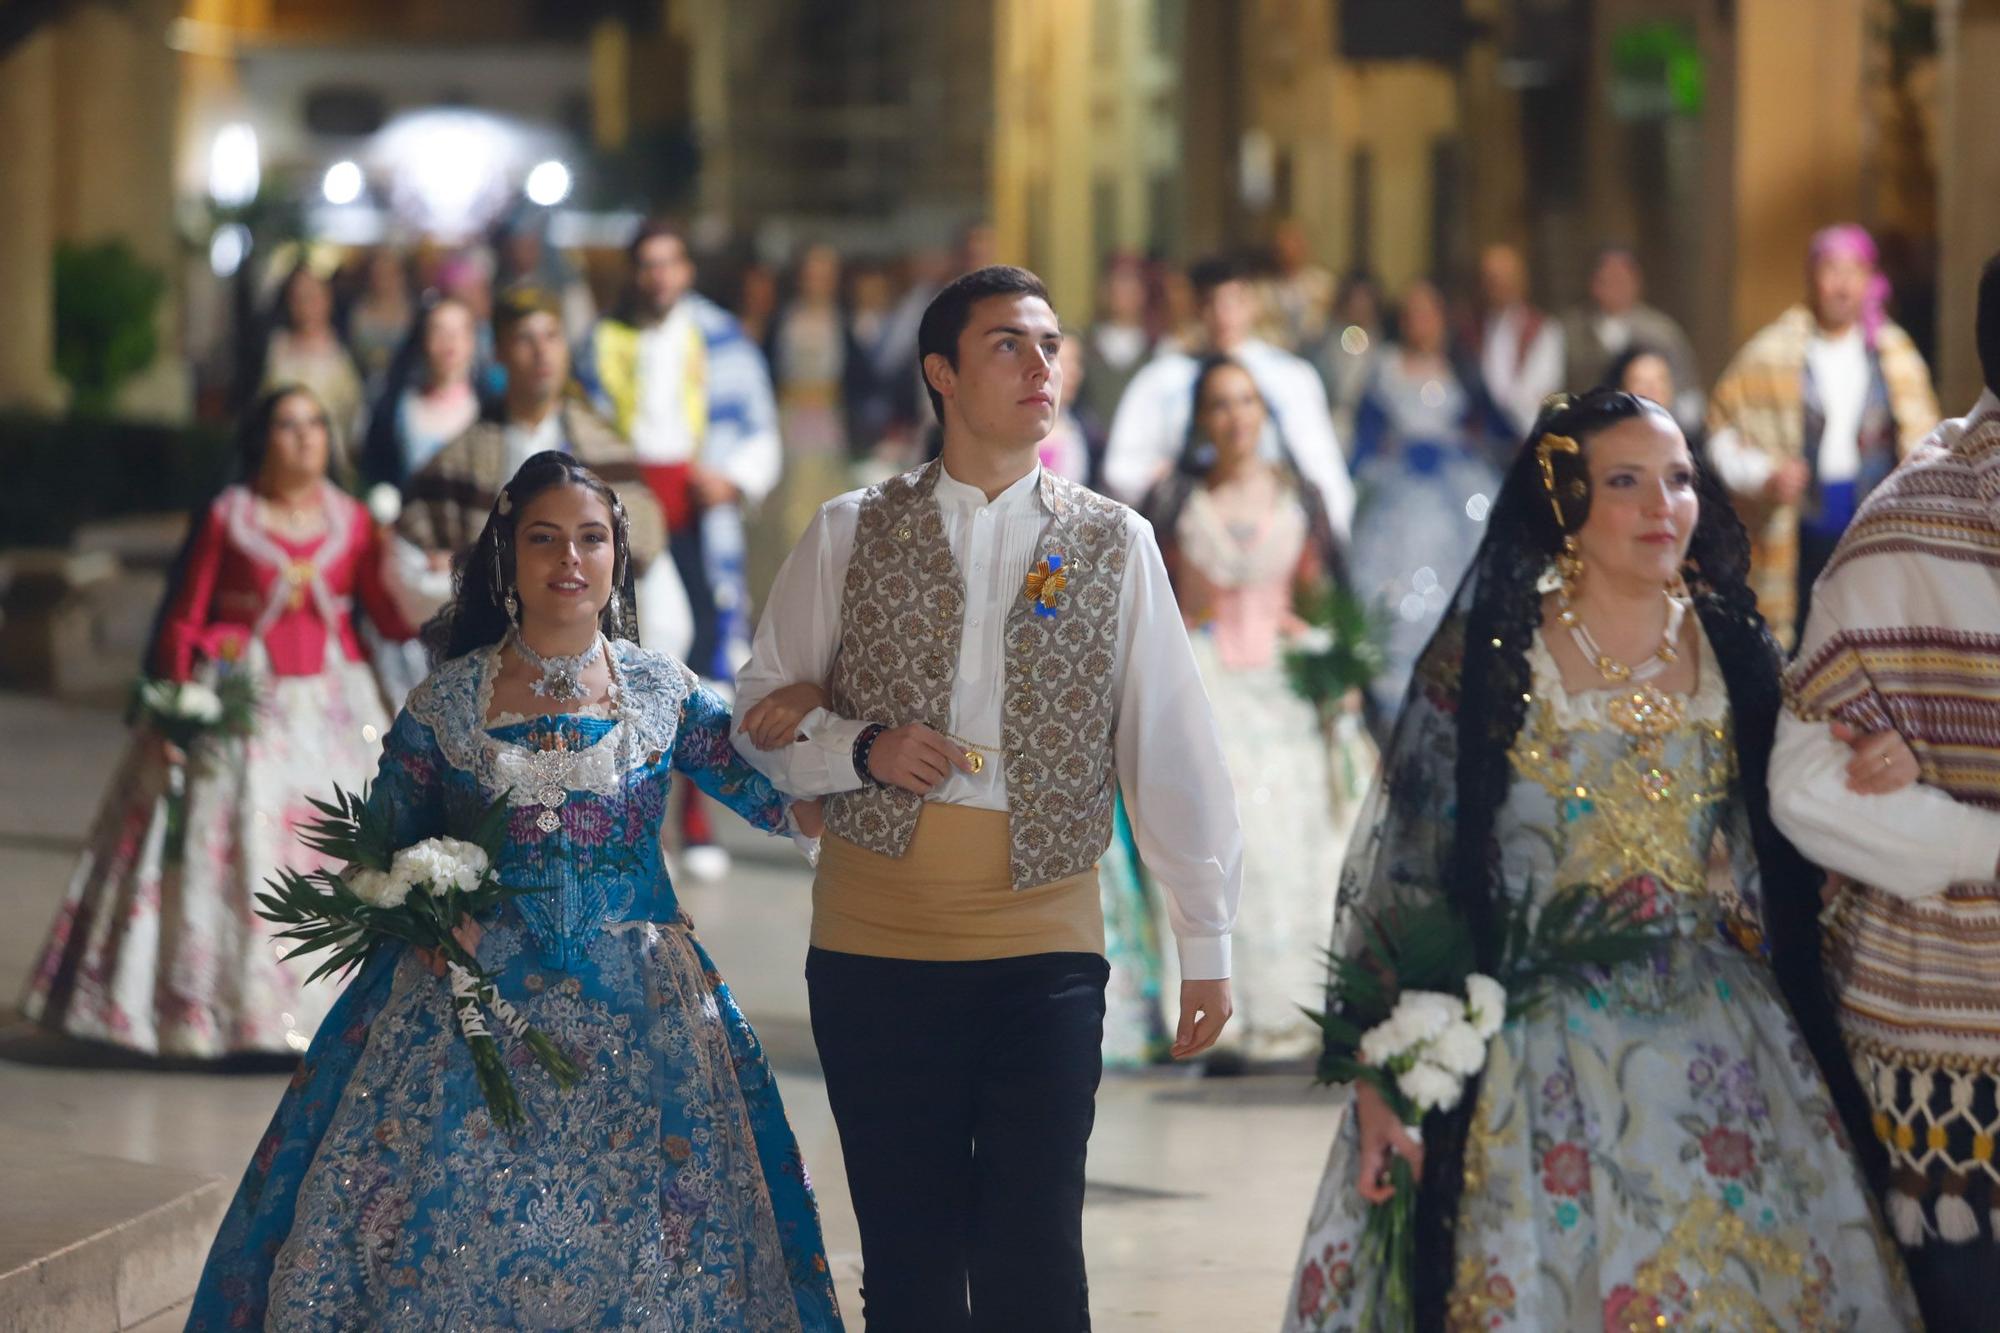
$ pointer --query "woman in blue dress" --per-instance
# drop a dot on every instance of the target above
(665, 1191)
(1424, 478)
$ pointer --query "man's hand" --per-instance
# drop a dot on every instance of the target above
(915, 758)
(711, 488)
(1788, 482)
(1883, 761)
(810, 816)
(1205, 1007)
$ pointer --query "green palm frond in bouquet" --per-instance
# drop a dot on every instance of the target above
(1342, 650)
(417, 894)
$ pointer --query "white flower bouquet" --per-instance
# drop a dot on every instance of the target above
(417, 894)
(185, 712)
(1408, 1015)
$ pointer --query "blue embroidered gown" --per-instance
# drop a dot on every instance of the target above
(664, 1192)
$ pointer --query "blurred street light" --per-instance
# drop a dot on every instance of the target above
(548, 183)
(234, 172)
(342, 184)
(228, 248)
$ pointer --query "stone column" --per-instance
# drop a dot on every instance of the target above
(1968, 184)
(27, 224)
(1798, 96)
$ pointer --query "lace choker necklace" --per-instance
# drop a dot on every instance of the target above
(562, 677)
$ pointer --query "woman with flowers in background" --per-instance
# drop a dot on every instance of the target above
(1671, 1142)
(1243, 537)
(261, 698)
(664, 1189)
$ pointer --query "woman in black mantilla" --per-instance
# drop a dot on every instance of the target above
(1673, 1145)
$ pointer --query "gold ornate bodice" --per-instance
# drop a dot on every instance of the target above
(1620, 785)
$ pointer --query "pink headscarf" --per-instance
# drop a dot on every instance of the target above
(1850, 240)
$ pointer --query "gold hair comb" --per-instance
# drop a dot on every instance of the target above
(1546, 450)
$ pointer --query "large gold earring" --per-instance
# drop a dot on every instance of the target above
(1569, 567)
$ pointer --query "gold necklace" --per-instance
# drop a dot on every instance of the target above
(1610, 667)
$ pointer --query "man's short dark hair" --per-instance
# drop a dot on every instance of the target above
(651, 230)
(1986, 327)
(946, 316)
(519, 300)
(1205, 275)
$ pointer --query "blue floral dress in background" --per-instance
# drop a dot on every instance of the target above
(666, 1191)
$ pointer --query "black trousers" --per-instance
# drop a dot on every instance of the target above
(1957, 1286)
(684, 547)
(964, 1094)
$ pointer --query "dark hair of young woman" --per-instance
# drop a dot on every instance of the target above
(476, 616)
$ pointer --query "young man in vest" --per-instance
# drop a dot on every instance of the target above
(999, 648)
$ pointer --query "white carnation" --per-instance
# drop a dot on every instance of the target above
(1430, 1086)
(1314, 639)
(199, 702)
(1485, 1003)
(1460, 1049)
(442, 864)
(1425, 1013)
(377, 888)
(1383, 1043)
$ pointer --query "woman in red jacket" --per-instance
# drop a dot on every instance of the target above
(158, 946)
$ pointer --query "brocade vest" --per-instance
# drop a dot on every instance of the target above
(902, 617)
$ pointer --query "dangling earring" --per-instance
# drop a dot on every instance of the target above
(513, 605)
(1569, 567)
(614, 612)
(1684, 579)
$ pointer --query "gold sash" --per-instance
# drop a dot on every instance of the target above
(948, 899)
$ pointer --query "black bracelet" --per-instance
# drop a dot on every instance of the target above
(864, 745)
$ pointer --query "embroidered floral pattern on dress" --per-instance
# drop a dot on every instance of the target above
(1662, 1147)
(665, 1192)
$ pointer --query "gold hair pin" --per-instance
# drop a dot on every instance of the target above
(1546, 450)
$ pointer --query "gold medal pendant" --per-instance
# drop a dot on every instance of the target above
(975, 761)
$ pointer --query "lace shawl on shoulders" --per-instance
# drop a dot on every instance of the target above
(651, 690)
(448, 702)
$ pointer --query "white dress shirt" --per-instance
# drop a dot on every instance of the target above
(660, 430)
(1913, 843)
(1918, 841)
(1517, 377)
(1168, 752)
(1840, 376)
(1150, 427)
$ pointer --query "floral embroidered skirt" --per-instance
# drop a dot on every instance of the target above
(1665, 1156)
(157, 946)
(665, 1191)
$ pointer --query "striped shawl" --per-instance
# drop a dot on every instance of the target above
(1905, 633)
(1762, 396)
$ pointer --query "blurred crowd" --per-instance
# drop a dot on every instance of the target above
(1399, 408)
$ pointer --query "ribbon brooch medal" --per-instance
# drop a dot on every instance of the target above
(1045, 584)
